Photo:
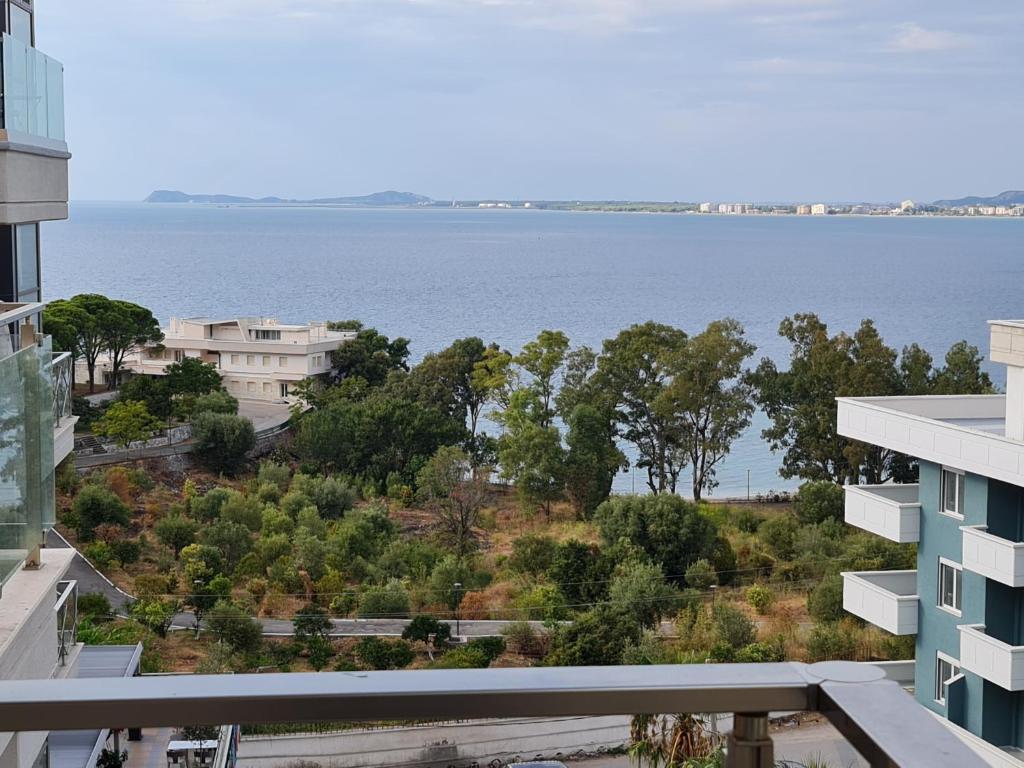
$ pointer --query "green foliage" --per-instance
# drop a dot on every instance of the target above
(319, 651)
(175, 532)
(825, 603)
(779, 535)
(245, 510)
(732, 625)
(452, 570)
(596, 638)
(96, 505)
(310, 553)
(376, 653)
(521, 637)
(818, 501)
(701, 575)
(592, 459)
(150, 390)
(100, 554)
(427, 629)
(669, 529)
(581, 571)
(530, 452)
(156, 615)
(207, 507)
(543, 602)
(234, 627)
(127, 422)
(275, 474)
(221, 441)
(447, 486)
(465, 657)
(311, 621)
(640, 588)
(217, 401)
(370, 356)
(761, 598)
(233, 540)
(126, 551)
(533, 554)
(759, 653)
(390, 600)
(831, 641)
(94, 606)
(191, 376)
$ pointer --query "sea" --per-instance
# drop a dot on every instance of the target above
(437, 274)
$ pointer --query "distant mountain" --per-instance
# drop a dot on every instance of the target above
(377, 198)
(1010, 197)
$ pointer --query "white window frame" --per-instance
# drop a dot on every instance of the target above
(957, 513)
(958, 580)
(250, 360)
(282, 362)
(940, 683)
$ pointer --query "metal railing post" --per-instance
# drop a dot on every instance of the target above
(749, 744)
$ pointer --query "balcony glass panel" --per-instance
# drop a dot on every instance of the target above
(33, 92)
(26, 453)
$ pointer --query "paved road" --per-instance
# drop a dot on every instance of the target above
(364, 627)
(89, 579)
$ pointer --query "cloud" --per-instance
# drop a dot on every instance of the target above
(913, 38)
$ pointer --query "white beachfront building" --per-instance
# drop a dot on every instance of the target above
(258, 358)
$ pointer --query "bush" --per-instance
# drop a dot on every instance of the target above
(388, 601)
(542, 603)
(825, 603)
(532, 554)
(99, 554)
(96, 505)
(760, 598)
(701, 575)
(221, 441)
(732, 625)
(427, 629)
(759, 653)
(376, 653)
(175, 532)
(640, 587)
(818, 501)
(234, 627)
(126, 551)
(94, 606)
(521, 637)
(67, 479)
(275, 474)
(747, 520)
(463, 658)
(831, 641)
(343, 605)
(597, 638)
(208, 506)
(490, 647)
(214, 402)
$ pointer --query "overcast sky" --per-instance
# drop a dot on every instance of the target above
(562, 99)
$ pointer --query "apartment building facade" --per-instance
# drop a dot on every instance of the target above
(965, 601)
(258, 358)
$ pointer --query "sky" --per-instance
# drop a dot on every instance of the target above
(690, 100)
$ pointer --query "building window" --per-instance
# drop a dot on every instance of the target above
(262, 335)
(266, 387)
(250, 386)
(946, 668)
(282, 362)
(266, 361)
(250, 360)
(179, 355)
(953, 492)
(950, 585)
(234, 359)
(284, 390)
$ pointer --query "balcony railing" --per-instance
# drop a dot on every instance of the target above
(66, 609)
(880, 719)
(892, 511)
(61, 371)
(33, 93)
(993, 557)
(887, 599)
(991, 659)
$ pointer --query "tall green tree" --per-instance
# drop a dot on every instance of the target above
(530, 454)
(126, 327)
(370, 355)
(222, 441)
(543, 359)
(592, 459)
(79, 321)
(191, 376)
(710, 394)
(962, 374)
(127, 422)
(447, 485)
(635, 368)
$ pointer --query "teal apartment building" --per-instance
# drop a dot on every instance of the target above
(965, 601)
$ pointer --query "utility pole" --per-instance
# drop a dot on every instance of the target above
(748, 485)
(458, 607)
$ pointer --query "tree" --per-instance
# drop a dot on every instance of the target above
(634, 368)
(581, 572)
(78, 320)
(155, 615)
(639, 587)
(427, 629)
(543, 358)
(671, 530)
(962, 374)
(222, 441)
(370, 356)
(176, 532)
(819, 501)
(127, 422)
(531, 455)
(233, 540)
(66, 324)
(710, 395)
(592, 459)
(383, 654)
(234, 627)
(311, 622)
(126, 327)
(191, 376)
(825, 602)
(388, 601)
(447, 485)
(596, 638)
(151, 390)
(96, 505)
(701, 575)
(203, 583)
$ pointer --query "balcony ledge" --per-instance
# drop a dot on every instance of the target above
(991, 659)
(891, 511)
(992, 557)
(887, 599)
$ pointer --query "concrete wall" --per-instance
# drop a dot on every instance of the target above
(33, 184)
(478, 741)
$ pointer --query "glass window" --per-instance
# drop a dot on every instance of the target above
(952, 492)
(266, 361)
(250, 360)
(26, 254)
(250, 386)
(950, 585)
(945, 670)
(21, 24)
(283, 362)
(266, 387)
(234, 359)
(262, 335)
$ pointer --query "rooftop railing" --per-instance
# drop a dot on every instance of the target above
(33, 94)
(66, 609)
(876, 715)
(61, 371)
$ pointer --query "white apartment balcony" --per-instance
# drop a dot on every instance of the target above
(993, 557)
(963, 431)
(991, 659)
(887, 599)
(892, 511)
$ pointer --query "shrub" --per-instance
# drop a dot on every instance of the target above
(384, 654)
(542, 603)
(214, 402)
(640, 587)
(831, 641)
(760, 598)
(208, 506)
(276, 474)
(247, 510)
(67, 479)
(759, 653)
(234, 627)
(819, 500)
(342, 605)
(149, 585)
(596, 638)
(825, 603)
(427, 629)
(175, 532)
(490, 647)
(155, 615)
(747, 520)
(96, 505)
(732, 625)
(99, 554)
(126, 551)
(221, 441)
(463, 658)
(388, 601)
(701, 575)
(779, 535)
(521, 637)
(94, 606)
(311, 621)
(333, 497)
(532, 554)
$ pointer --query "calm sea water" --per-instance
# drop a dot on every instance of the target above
(434, 275)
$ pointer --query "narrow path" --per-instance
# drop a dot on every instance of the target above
(89, 579)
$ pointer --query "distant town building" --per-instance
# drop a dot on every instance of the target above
(819, 209)
(803, 210)
(704, 207)
(860, 210)
(908, 206)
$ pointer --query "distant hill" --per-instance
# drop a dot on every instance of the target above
(1010, 197)
(389, 197)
